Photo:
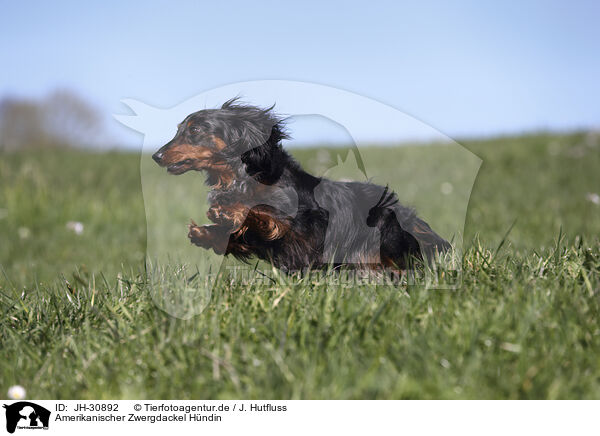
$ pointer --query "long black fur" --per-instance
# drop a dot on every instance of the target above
(339, 223)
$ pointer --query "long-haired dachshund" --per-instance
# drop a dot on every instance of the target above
(263, 204)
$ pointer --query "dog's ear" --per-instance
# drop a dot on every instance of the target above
(266, 162)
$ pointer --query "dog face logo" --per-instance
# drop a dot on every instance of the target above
(26, 415)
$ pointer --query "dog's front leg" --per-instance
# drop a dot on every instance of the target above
(231, 216)
(262, 220)
(210, 236)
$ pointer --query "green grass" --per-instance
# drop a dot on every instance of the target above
(77, 317)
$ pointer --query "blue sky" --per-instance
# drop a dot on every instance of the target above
(464, 68)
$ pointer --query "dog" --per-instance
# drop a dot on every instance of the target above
(263, 204)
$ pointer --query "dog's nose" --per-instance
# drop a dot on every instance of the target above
(157, 156)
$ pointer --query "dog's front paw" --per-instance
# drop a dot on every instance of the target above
(232, 216)
(208, 237)
(198, 235)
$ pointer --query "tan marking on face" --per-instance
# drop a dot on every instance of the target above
(181, 152)
(218, 142)
(201, 158)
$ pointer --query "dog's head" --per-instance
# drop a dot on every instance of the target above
(232, 142)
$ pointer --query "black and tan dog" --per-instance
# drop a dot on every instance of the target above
(341, 223)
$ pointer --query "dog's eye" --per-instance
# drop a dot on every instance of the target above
(195, 129)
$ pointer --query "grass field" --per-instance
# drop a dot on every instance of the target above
(77, 319)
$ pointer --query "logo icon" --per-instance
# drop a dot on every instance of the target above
(26, 415)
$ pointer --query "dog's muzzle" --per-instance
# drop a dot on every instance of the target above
(157, 157)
